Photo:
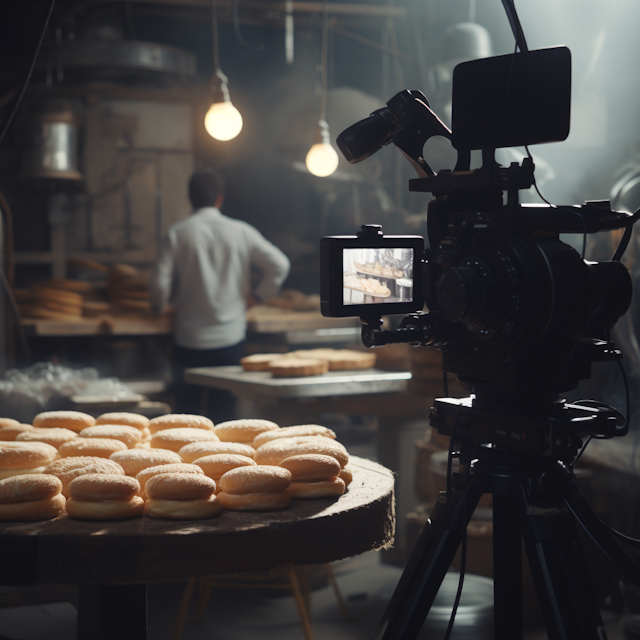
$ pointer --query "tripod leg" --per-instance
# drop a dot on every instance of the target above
(507, 569)
(559, 568)
(428, 564)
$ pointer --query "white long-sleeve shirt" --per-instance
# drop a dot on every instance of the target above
(204, 269)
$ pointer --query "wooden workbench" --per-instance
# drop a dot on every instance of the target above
(116, 326)
(112, 561)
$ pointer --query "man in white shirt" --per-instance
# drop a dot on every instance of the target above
(204, 270)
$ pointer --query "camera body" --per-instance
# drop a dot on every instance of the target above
(517, 312)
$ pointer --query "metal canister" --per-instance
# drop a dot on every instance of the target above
(49, 142)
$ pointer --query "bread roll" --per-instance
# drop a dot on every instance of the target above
(243, 431)
(129, 435)
(180, 421)
(341, 359)
(8, 422)
(74, 420)
(33, 510)
(66, 469)
(255, 479)
(263, 501)
(175, 439)
(105, 509)
(217, 465)
(295, 431)
(347, 475)
(95, 447)
(26, 455)
(103, 486)
(321, 489)
(149, 472)
(296, 367)
(56, 436)
(275, 452)
(195, 450)
(10, 473)
(56, 294)
(10, 432)
(133, 461)
(182, 509)
(27, 488)
(179, 486)
(311, 467)
(124, 418)
(259, 361)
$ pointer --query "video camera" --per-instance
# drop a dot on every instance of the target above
(518, 314)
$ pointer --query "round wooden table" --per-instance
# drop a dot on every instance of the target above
(111, 562)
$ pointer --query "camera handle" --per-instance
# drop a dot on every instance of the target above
(416, 329)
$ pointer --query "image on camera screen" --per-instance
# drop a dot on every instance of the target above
(377, 275)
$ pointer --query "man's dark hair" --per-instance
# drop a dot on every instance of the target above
(204, 189)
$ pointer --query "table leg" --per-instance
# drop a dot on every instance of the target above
(110, 611)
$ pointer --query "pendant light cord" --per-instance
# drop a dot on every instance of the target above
(214, 33)
(324, 57)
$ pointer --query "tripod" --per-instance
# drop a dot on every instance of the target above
(533, 496)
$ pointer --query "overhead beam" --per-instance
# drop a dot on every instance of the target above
(299, 6)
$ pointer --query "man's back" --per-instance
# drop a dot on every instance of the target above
(204, 269)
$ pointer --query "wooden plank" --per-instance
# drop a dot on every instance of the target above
(67, 551)
(117, 326)
(386, 11)
(265, 319)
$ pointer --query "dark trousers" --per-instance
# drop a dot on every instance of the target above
(217, 404)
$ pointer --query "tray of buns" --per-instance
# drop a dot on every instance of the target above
(382, 292)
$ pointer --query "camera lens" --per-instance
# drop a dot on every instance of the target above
(364, 138)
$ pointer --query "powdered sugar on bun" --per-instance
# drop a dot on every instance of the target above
(276, 451)
(26, 455)
(179, 486)
(296, 431)
(175, 439)
(243, 431)
(195, 450)
(103, 486)
(29, 487)
(74, 420)
(133, 461)
(124, 418)
(215, 466)
(255, 479)
(178, 421)
(125, 433)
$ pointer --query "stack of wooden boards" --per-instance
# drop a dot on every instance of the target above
(177, 466)
(309, 362)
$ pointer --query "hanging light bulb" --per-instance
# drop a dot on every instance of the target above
(222, 121)
(322, 159)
